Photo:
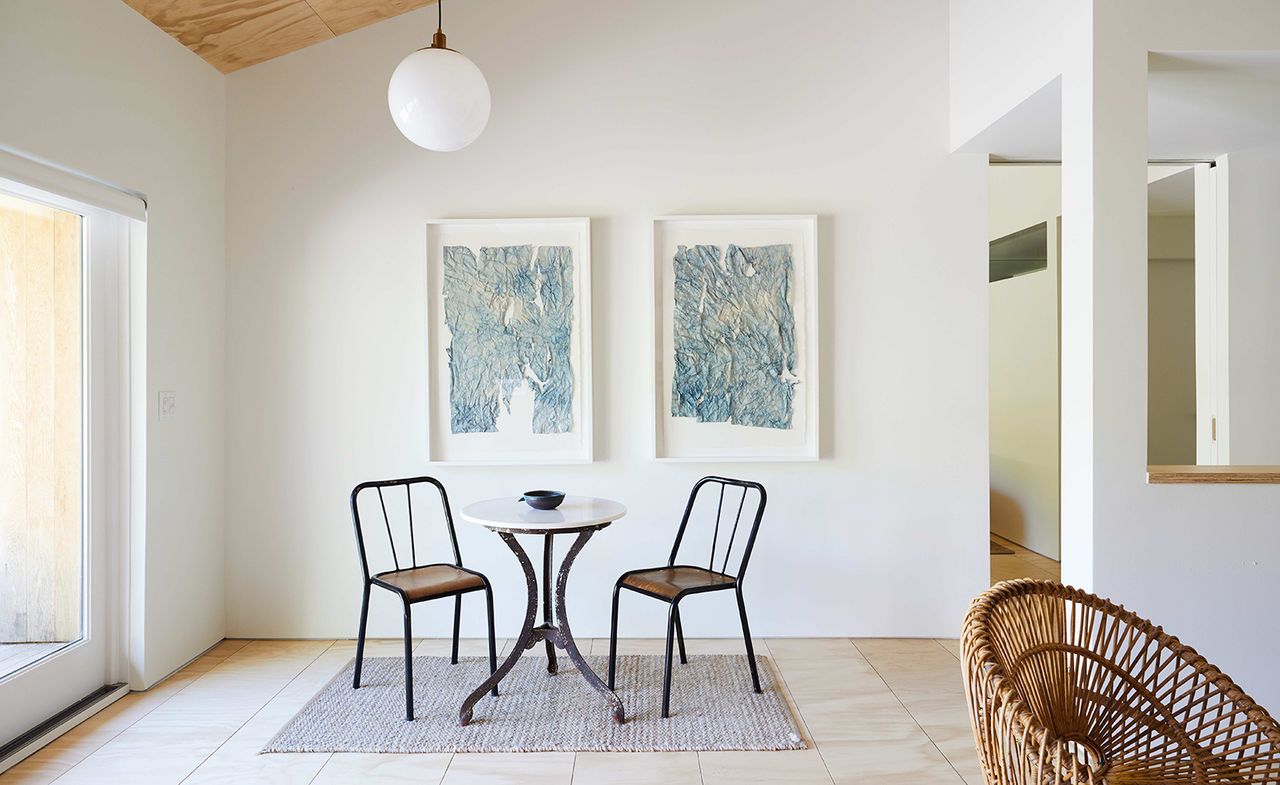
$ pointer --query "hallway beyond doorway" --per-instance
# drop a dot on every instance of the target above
(1022, 563)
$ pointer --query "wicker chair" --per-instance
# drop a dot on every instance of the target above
(1065, 687)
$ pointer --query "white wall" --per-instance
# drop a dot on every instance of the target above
(92, 85)
(1171, 236)
(1001, 53)
(1024, 365)
(619, 111)
(1205, 595)
(1203, 561)
(1254, 310)
(1171, 332)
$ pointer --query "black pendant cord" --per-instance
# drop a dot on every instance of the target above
(438, 40)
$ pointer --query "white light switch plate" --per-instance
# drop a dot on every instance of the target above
(168, 404)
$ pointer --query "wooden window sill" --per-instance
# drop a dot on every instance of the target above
(1181, 475)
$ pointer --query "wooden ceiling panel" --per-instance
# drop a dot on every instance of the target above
(235, 34)
(343, 16)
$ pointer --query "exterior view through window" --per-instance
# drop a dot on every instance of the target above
(41, 431)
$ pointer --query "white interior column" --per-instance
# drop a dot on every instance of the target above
(1104, 286)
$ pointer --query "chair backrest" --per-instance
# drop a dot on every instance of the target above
(1066, 687)
(402, 506)
(731, 502)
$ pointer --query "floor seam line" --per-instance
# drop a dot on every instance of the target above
(118, 733)
(908, 711)
(249, 719)
(816, 746)
(322, 765)
(77, 763)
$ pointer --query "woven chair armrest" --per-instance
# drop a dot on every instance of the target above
(1015, 748)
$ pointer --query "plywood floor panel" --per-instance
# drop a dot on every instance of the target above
(888, 710)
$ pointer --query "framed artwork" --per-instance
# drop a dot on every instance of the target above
(509, 310)
(736, 338)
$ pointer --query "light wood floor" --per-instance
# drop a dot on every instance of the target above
(884, 711)
(1022, 563)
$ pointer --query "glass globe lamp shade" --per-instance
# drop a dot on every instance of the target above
(439, 99)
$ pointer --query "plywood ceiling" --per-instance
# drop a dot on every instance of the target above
(235, 34)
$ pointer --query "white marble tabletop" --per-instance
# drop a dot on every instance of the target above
(510, 515)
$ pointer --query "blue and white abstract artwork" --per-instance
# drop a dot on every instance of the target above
(734, 335)
(509, 310)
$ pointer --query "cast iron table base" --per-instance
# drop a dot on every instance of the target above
(555, 635)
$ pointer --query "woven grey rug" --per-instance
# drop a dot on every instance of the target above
(712, 708)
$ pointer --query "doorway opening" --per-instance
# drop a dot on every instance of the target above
(1024, 230)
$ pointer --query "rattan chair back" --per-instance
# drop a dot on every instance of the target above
(1066, 687)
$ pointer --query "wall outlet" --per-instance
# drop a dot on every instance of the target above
(168, 404)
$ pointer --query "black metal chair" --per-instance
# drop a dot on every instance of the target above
(416, 583)
(674, 582)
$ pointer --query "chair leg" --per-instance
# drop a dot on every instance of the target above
(364, 620)
(684, 659)
(457, 622)
(613, 636)
(666, 663)
(493, 649)
(746, 638)
(408, 662)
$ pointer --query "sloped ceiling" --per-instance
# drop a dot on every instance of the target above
(235, 34)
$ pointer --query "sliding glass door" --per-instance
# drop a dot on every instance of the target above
(62, 365)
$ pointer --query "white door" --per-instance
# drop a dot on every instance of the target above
(1213, 388)
(63, 452)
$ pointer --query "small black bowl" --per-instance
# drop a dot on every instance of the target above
(542, 500)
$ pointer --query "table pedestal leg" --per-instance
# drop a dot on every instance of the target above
(546, 599)
(521, 642)
(555, 635)
(566, 636)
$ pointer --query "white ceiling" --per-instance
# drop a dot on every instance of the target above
(1206, 104)
(1200, 105)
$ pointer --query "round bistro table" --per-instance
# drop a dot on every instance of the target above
(583, 515)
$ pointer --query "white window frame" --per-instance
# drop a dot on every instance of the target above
(107, 385)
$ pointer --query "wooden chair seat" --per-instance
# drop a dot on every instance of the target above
(671, 582)
(674, 582)
(415, 582)
(433, 580)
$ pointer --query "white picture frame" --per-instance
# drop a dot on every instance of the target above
(686, 438)
(513, 442)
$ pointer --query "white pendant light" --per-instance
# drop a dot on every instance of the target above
(438, 98)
